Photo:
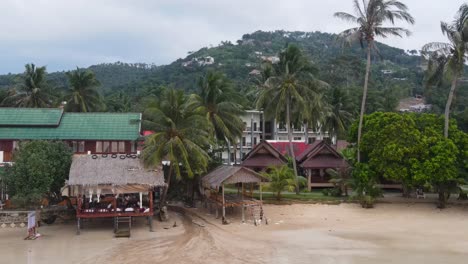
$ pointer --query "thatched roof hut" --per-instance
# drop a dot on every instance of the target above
(231, 174)
(124, 174)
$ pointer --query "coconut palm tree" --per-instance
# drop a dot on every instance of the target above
(218, 102)
(180, 137)
(82, 96)
(32, 92)
(337, 116)
(282, 179)
(370, 17)
(447, 60)
(286, 93)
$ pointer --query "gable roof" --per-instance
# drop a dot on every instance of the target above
(231, 174)
(80, 126)
(321, 155)
(311, 147)
(30, 116)
(263, 155)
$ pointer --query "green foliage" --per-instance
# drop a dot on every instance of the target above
(282, 179)
(364, 183)
(40, 168)
(83, 96)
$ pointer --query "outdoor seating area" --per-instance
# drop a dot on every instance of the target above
(112, 188)
(214, 184)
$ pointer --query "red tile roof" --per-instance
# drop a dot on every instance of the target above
(283, 147)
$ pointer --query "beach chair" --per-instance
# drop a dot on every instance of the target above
(420, 193)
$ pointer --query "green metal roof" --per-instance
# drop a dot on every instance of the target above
(81, 126)
(30, 116)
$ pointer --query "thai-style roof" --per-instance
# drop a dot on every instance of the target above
(94, 170)
(52, 124)
(321, 155)
(30, 116)
(231, 174)
(263, 155)
(309, 149)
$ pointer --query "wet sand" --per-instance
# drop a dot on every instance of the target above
(390, 233)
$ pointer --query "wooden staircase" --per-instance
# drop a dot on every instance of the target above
(122, 221)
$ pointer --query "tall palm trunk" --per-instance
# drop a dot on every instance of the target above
(291, 149)
(364, 97)
(449, 103)
(168, 182)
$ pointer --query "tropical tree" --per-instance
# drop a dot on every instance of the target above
(337, 114)
(447, 60)
(219, 103)
(82, 96)
(180, 137)
(32, 92)
(282, 179)
(370, 17)
(289, 91)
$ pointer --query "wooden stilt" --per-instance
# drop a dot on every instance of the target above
(260, 187)
(78, 226)
(243, 213)
(224, 204)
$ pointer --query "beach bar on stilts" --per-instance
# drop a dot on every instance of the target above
(117, 187)
(214, 189)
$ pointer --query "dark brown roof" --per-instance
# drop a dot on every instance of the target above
(231, 174)
(309, 149)
(263, 155)
(321, 156)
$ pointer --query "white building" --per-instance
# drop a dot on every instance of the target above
(257, 129)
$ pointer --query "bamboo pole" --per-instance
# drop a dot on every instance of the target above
(224, 206)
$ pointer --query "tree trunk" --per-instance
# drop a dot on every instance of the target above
(291, 149)
(449, 103)
(168, 182)
(442, 199)
(278, 196)
(364, 97)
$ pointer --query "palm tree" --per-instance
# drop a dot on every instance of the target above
(281, 179)
(32, 92)
(218, 102)
(180, 137)
(83, 95)
(337, 116)
(370, 16)
(287, 92)
(447, 60)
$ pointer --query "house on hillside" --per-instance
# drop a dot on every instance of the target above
(94, 133)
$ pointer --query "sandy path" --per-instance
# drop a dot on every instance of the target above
(296, 234)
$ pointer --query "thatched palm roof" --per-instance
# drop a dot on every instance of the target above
(231, 174)
(86, 171)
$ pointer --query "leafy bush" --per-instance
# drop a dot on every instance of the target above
(40, 168)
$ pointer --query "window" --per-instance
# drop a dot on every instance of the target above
(243, 141)
(255, 140)
(297, 138)
(81, 146)
(114, 147)
(74, 146)
(122, 147)
(98, 146)
(311, 140)
(255, 126)
(105, 147)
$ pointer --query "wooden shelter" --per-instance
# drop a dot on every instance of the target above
(262, 156)
(223, 175)
(318, 157)
(104, 185)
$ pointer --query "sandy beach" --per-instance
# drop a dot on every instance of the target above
(301, 233)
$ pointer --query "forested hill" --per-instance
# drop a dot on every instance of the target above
(239, 61)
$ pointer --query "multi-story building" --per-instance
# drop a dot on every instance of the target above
(93, 133)
(258, 128)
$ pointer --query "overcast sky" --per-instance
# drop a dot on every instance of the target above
(64, 34)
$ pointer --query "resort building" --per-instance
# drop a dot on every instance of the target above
(312, 159)
(257, 128)
(85, 133)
